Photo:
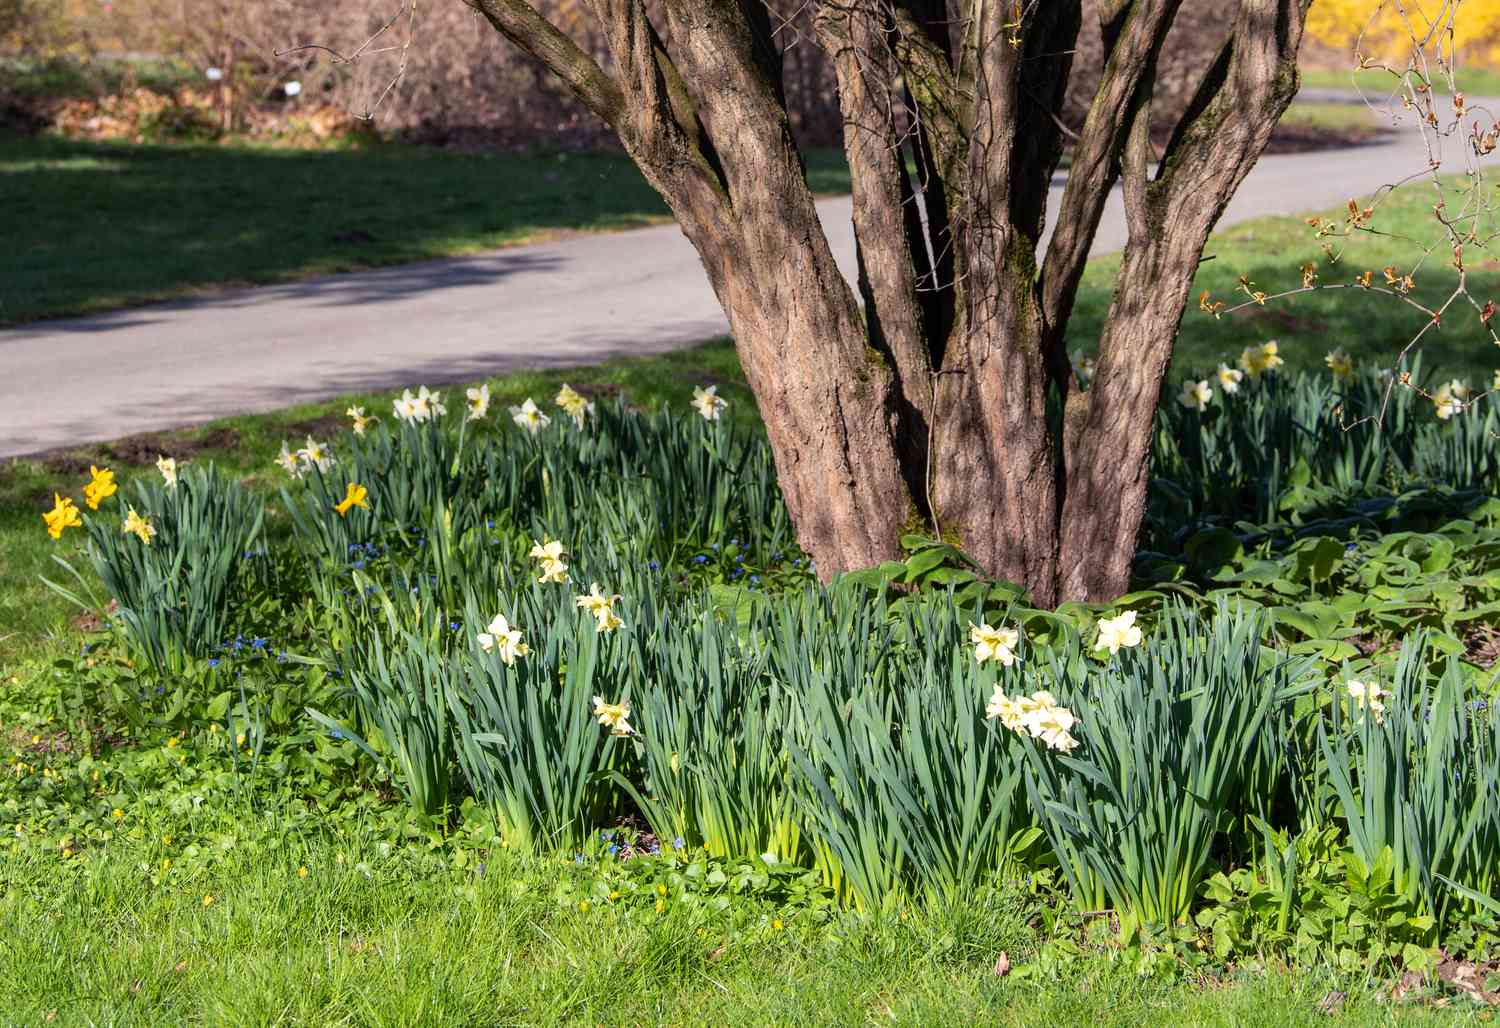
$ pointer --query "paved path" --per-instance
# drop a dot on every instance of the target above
(570, 302)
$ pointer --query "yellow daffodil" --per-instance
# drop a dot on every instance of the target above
(530, 417)
(62, 515)
(1196, 395)
(1117, 632)
(709, 403)
(101, 487)
(287, 460)
(1368, 695)
(478, 400)
(573, 404)
(1053, 725)
(354, 496)
(1256, 361)
(1341, 364)
(316, 455)
(1230, 379)
(362, 421)
(613, 716)
(994, 643)
(553, 571)
(138, 526)
(168, 468)
(500, 637)
(1008, 711)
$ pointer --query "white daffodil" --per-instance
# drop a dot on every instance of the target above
(602, 607)
(550, 554)
(553, 571)
(502, 638)
(709, 403)
(613, 716)
(573, 404)
(1053, 725)
(404, 407)
(1008, 711)
(994, 643)
(429, 405)
(288, 461)
(168, 468)
(530, 417)
(316, 454)
(1370, 696)
(1117, 632)
(1229, 379)
(1196, 395)
(479, 401)
(1450, 399)
(1341, 364)
(361, 421)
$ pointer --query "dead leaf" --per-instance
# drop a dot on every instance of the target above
(716, 952)
(181, 966)
(1332, 1003)
(1002, 965)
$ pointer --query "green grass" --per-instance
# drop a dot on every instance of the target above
(1344, 122)
(1371, 327)
(93, 225)
(1377, 83)
(371, 941)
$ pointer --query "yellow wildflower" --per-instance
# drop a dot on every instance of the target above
(208, 899)
(354, 496)
(101, 486)
(62, 515)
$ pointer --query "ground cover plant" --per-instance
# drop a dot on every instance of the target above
(559, 665)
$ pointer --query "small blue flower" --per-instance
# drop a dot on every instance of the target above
(358, 565)
(677, 843)
(700, 559)
(160, 689)
(613, 849)
(754, 579)
(578, 859)
(654, 566)
(489, 524)
(716, 547)
(1478, 705)
(454, 626)
(213, 661)
(258, 643)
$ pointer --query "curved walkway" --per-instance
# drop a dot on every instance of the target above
(575, 301)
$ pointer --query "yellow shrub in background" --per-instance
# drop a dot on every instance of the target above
(1386, 37)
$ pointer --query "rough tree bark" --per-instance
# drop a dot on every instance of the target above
(939, 395)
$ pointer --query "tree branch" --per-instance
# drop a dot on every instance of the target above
(520, 23)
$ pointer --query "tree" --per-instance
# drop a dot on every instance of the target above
(945, 399)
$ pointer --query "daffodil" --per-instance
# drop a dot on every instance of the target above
(62, 515)
(613, 716)
(1450, 399)
(362, 421)
(1008, 711)
(709, 403)
(1341, 364)
(502, 638)
(550, 554)
(101, 487)
(316, 455)
(530, 417)
(994, 643)
(1196, 395)
(288, 461)
(602, 607)
(573, 404)
(168, 468)
(138, 526)
(1053, 725)
(479, 401)
(1368, 695)
(424, 406)
(404, 407)
(1117, 632)
(355, 495)
(1256, 361)
(1229, 379)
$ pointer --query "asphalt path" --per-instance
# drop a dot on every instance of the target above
(574, 301)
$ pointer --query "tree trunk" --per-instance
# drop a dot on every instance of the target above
(940, 398)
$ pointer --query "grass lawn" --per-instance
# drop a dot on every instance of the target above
(376, 941)
(1371, 327)
(1377, 83)
(96, 225)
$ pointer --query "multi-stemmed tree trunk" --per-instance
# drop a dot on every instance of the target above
(939, 394)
